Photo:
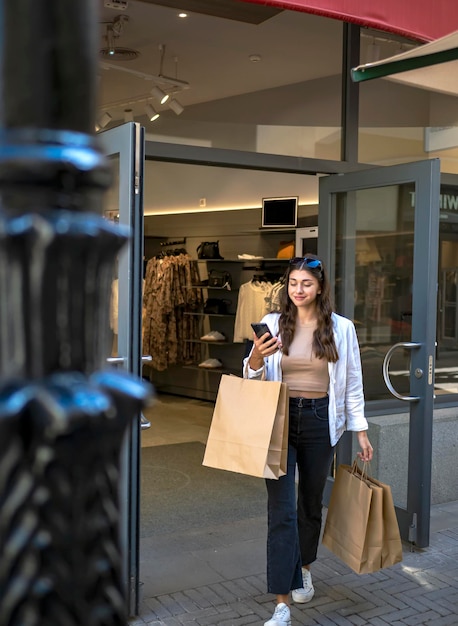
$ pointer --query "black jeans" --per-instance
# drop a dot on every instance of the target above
(294, 525)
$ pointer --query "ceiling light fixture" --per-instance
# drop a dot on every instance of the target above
(176, 107)
(174, 83)
(103, 120)
(151, 113)
(182, 14)
(159, 94)
(114, 30)
(128, 115)
(110, 40)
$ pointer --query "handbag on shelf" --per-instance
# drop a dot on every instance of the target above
(361, 526)
(249, 428)
(286, 250)
(217, 306)
(220, 280)
(209, 250)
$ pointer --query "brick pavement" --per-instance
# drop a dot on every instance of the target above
(422, 590)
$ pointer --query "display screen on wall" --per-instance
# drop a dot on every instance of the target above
(279, 212)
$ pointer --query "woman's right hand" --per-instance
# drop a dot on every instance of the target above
(262, 348)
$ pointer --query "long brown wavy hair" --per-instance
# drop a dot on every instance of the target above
(324, 345)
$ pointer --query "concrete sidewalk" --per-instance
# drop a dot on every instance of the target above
(216, 577)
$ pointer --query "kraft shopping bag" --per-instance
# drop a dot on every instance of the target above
(354, 524)
(249, 428)
(392, 544)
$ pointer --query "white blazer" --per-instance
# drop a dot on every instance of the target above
(346, 397)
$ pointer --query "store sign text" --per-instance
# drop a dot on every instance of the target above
(447, 202)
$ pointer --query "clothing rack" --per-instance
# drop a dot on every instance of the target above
(260, 278)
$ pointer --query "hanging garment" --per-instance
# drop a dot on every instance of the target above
(114, 306)
(168, 295)
(250, 308)
(272, 299)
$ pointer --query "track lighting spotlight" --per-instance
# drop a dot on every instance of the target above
(103, 120)
(175, 106)
(128, 115)
(159, 95)
(151, 113)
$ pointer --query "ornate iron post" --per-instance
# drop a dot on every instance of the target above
(62, 418)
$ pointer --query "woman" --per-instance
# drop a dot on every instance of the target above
(316, 352)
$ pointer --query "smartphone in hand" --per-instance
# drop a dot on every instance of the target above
(261, 329)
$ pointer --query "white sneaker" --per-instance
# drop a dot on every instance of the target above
(211, 364)
(247, 257)
(213, 335)
(305, 593)
(281, 616)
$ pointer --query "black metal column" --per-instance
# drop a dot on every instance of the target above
(350, 93)
(62, 418)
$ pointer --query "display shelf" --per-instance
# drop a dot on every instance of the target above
(216, 370)
(219, 260)
(210, 343)
(268, 230)
(209, 314)
(228, 352)
(268, 259)
(200, 286)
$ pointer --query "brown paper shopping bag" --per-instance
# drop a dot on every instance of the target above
(354, 523)
(391, 544)
(249, 429)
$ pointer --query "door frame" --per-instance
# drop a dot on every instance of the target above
(127, 142)
(414, 520)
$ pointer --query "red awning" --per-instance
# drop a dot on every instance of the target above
(424, 20)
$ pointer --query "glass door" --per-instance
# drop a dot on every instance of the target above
(124, 147)
(379, 232)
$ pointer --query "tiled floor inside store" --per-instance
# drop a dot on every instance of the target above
(177, 420)
(206, 551)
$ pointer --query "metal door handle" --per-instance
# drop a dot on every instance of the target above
(116, 359)
(122, 359)
(386, 364)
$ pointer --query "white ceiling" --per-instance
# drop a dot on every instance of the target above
(213, 54)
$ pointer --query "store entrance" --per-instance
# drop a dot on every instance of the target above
(379, 233)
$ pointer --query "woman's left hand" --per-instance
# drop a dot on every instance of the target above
(365, 445)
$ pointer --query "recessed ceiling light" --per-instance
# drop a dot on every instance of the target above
(255, 58)
(182, 14)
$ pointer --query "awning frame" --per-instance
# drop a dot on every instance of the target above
(381, 68)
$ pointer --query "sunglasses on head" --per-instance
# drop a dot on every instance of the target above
(312, 263)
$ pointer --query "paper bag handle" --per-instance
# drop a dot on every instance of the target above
(365, 472)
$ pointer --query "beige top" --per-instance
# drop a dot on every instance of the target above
(301, 370)
(250, 308)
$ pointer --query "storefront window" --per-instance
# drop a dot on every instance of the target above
(399, 123)
(111, 213)
(374, 278)
(447, 320)
(392, 145)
